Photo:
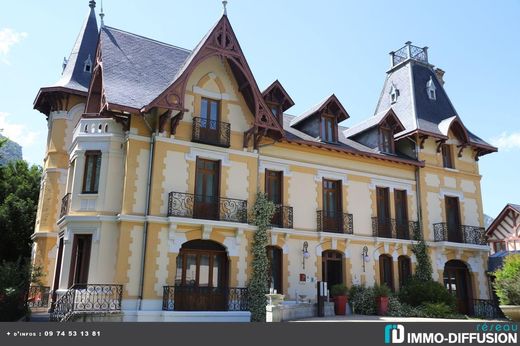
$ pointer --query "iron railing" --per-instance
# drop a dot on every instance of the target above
(207, 207)
(87, 299)
(486, 308)
(192, 298)
(282, 217)
(38, 296)
(335, 222)
(461, 234)
(211, 132)
(409, 51)
(65, 205)
(391, 228)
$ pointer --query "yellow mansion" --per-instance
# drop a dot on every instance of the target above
(155, 154)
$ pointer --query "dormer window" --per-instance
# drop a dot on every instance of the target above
(328, 129)
(87, 67)
(386, 140)
(431, 89)
(394, 93)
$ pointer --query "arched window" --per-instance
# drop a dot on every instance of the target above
(386, 271)
(275, 257)
(405, 269)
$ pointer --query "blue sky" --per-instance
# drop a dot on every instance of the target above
(314, 48)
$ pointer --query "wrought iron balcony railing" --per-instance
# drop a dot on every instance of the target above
(87, 298)
(459, 234)
(207, 207)
(65, 205)
(38, 296)
(409, 51)
(211, 132)
(282, 217)
(193, 298)
(391, 228)
(486, 308)
(336, 222)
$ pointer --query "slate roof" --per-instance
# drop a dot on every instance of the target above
(137, 69)
(316, 108)
(74, 76)
(414, 108)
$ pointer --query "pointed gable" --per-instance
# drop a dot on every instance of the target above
(276, 94)
(220, 41)
(76, 76)
(329, 105)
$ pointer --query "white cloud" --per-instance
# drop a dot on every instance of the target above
(16, 132)
(507, 141)
(8, 38)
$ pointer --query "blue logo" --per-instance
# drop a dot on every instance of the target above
(394, 334)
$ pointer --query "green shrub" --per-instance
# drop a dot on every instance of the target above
(417, 292)
(382, 290)
(363, 300)
(507, 282)
(339, 290)
(437, 310)
(398, 309)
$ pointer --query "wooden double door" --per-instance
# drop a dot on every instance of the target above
(209, 121)
(201, 277)
(332, 206)
(457, 281)
(453, 219)
(207, 182)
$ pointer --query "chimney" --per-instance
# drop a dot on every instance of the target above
(440, 75)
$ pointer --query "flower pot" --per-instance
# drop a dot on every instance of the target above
(511, 311)
(382, 305)
(340, 305)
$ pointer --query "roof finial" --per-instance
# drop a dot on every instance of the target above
(224, 4)
(102, 15)
(91, 4)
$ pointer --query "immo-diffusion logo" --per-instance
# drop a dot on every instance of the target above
(394, 333)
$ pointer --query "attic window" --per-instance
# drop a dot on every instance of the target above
(386, 140)
(87, 67)
(328, 129)
(394, 93)
(431, 89)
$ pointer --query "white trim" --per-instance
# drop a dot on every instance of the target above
(210, 94)
(391, 184)
(453, 193)
(274, 166)
(208, 154)
(217, 224)
(331, 175)
(36, 235)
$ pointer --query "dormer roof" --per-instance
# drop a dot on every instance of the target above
(329, 104)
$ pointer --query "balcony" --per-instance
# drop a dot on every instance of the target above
(87, 299)
(459, 234)
(211, 132)
(335, 222)
(282, 217)
(391, 228)
(65, 205)
(89, 125)
(195, 298)
(207, 207)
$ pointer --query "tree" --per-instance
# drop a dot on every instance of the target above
(19, 190)
(263, 211)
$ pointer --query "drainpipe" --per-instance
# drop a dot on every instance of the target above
(418, 191)
(147, 212)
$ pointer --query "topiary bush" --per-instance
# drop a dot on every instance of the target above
(507, 281)
(363, 300)
(417, 292)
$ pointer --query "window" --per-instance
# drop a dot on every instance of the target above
(405, 269)
(386, 273)
(431, 89)
(447, 156)
(499, 246)
(386, 140)
(80, 259)
(401, 214)
(273, 189)
(207, 182)
(328, 129)
(332, 207)
(274, 256)
(209, 113)
(394, 93)
(92, 169)
(87, 67)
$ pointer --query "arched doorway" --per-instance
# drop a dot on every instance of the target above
(332, 267)
(201, 278)
(275, 258)
(386, 271)
(457, 281)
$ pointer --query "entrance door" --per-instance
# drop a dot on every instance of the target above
(80, 259)
(209, 120)
(386, 272)
(457, 281)
(401, 214)
(383, 212)
(201, 277)
(332, 267)
(207, 181)
(273, 186)
(332, 209)
(453, 219)
(274, 256)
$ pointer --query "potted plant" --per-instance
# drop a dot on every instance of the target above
(382, 292)
(507, 286)
(339, 293)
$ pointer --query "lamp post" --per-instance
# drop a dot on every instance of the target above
(305, 253)
(364, 256)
